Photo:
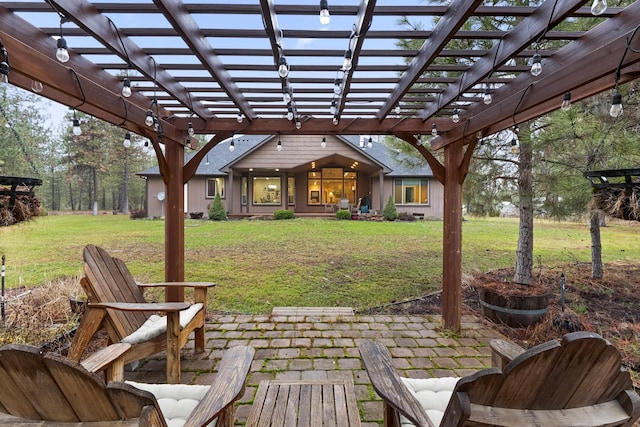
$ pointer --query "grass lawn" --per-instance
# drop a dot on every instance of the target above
(302, 262)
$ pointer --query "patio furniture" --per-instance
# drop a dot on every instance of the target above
(50, 390)
(302, 403)
(117, 304)
(576, 381)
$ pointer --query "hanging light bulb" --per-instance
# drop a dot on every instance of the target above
(286, 95)
(298, 123)
(361, 141)
(36, 86)
(188, 142)
(325, 17)
(62, 54)
(616, 105)
(347, 63)
(289, 113)
(566, 102)
(487, 98)
(283, 67)
(323, 144)
(337, 86)
(232, 145)
(398, 109)
(127, 140)
(126, 87)
(455, 117)
(335, 120)
(76, 125)
(156, 124)
(279, 146)
(240, 117)
(536, 65)
(598, 7)
(434, 129)
(146, 142)
(333, 108)
(370, 143)
(190, 129)
(514, 146)
(149, 119)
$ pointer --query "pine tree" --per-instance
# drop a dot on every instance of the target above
(390, 213)
(216, 209)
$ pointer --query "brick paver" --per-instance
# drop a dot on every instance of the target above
(325, 346)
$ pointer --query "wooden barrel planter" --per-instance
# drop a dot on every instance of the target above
(513, 310)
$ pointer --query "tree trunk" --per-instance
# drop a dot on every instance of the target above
(94, 195)
(596, 244)
(524, 253)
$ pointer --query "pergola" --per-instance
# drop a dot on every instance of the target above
(227, 67)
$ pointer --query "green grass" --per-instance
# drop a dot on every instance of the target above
(302, 262)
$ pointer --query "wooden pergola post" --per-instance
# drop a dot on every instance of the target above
(174, 219)
(452, 236)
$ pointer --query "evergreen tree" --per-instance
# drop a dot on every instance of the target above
(216, 209)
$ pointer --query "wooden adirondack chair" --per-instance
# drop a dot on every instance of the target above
(116, 303)
(578, 381)
(50, 390)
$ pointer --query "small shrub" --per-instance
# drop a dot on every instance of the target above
(137, 214)
(196, 215)
(216, 210)
(406, 216)
(343, 214)
(390, 213)
(283, 214)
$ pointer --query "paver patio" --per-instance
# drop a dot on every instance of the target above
(325, 346)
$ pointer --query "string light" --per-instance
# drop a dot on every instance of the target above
(283, 67)
(77, 131)
(126, 87)
(37, 86)
(434, 129)
(240, 117)
(232, 145)
(4, 64)
(536, 65)
(279, 146)
(286, 95)
(62, 54)
(456, 115)
(347, 63)
(566, 102)
(598, 7)
(487, 98)
(127, 140)
(323, 144)
(616, 105)
(325, 17)
(370, 143)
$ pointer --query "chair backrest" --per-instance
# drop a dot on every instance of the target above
(50, 387)
(581, 370)
(108, 279)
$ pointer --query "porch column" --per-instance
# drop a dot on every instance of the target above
(229, 193)
(381, 182)
(174, 220)
(452, 237)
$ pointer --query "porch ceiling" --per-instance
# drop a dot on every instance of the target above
(337, 160)
(206, 62)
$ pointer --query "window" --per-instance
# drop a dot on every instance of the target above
(330, 185)
(215, 185)
(411, 191)
(266, 190)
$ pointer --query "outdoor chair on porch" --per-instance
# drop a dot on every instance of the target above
(50, 390)
(117, 304)
(578, 381)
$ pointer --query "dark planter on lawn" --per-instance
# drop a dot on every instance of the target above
(513, 310)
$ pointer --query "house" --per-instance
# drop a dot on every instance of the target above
(308, 174)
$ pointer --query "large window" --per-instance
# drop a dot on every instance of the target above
(267, 190)
(330, 185)
(215, 185)
(411, 191)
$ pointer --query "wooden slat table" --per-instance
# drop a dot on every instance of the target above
(305, 404)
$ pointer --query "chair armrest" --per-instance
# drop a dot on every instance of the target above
(139, 306)
(227, 387)
(385, 381)
(178, 285)
(503, 352)
(109, 359)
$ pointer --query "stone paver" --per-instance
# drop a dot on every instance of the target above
(320, 346)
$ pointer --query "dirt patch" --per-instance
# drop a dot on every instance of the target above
(609, 307)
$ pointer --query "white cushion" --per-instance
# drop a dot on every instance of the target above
(156, 325)
(176, 401)
(433, 394)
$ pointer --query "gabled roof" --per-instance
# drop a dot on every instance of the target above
(218, 161)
